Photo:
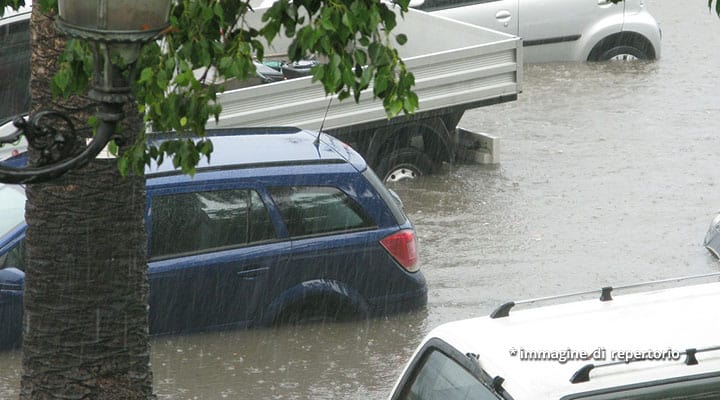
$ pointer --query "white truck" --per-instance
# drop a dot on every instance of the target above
(457, 66)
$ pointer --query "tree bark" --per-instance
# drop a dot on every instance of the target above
(85, 328)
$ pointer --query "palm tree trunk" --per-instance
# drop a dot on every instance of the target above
(85, 332)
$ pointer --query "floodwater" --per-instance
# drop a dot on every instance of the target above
(608, 176)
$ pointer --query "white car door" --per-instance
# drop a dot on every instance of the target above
(554, 30)
(499, 15)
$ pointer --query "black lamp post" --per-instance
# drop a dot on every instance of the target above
(116, 30)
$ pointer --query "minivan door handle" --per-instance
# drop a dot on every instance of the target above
(251, 273)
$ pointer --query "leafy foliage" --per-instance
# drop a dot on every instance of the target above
(180, 76)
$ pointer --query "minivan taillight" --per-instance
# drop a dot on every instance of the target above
(403, 247)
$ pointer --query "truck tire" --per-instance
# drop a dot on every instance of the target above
(405, 163)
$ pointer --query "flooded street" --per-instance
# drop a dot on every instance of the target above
(608, 176)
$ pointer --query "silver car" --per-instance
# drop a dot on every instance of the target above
(712, 237)
(563, 30)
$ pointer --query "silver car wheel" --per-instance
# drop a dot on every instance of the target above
(623, 57)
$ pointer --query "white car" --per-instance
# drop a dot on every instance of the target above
(712, 237)
(661, 344)
(562, 30)
(13, 148)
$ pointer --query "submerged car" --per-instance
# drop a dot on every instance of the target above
(660, 344)
(563, 30)
(283, 225)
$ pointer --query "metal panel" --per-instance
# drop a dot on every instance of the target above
(455, 65)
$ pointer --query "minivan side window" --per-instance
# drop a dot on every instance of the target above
(14, 69)
(441, 378)
(200, 221)
(312, 210)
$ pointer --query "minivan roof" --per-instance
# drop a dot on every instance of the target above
(269, 146)
(248, 147)
(665, 320)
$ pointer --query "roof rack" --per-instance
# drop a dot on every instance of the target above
(605, 293)
(583, 374)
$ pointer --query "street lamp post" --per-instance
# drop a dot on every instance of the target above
(116, 30)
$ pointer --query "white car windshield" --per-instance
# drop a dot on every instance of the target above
(12, 207)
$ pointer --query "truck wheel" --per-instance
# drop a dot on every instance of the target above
(406, 163)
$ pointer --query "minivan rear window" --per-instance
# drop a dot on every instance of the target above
(392, 201)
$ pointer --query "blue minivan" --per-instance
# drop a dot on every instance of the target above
(283, 225)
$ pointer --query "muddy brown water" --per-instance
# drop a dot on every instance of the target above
(608, 175)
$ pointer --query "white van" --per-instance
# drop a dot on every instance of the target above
(662, 344)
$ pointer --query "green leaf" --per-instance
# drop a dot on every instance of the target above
(379, 54)
(218, 10)
(394, 108)
(401, 39)
(123, 164)
(360, 57)
(381, 84)
(62, 79)
(410, 103)
(327, 24)
(146, 74)
(347, 20)
(183, 79)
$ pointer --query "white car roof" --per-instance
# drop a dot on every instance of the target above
(664, 321)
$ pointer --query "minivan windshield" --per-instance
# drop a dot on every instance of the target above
(12, 207)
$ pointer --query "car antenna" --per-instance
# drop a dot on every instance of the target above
(317, 139)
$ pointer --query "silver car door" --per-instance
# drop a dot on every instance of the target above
(552, 30)
(499, 15)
